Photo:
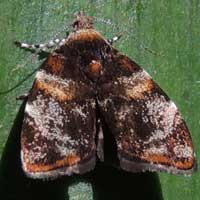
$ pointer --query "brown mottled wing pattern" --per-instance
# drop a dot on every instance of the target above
(58, 133)
(148, 128)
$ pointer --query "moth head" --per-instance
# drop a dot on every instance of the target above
(82, 21)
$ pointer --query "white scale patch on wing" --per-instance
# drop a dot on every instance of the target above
(121, 116)
(35, 155)
(122, 113)
(183, 151)
(134, 78)
(136, 84)
(155, 150)
(163, 115)
(104, 103)
(49, 119)
(44, 76)
(158, 111)
(80, 111)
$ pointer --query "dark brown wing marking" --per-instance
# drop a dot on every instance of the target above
(148, 128)
(58, 134)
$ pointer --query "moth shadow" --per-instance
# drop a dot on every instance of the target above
(107, 182)
(111, 183)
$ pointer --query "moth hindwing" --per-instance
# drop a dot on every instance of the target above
(86, 72)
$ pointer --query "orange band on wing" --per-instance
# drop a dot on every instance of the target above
(186, 164)
(55, 91)
(137, 92)
(68, 161)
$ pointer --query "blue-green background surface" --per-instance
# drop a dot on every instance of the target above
(162, 36)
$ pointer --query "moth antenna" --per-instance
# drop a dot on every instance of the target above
(39, 49)
(151, 51)
(115, 39)
(66, 29)
(19, 83)
(105, 21)
(142, 45)
(52, 44)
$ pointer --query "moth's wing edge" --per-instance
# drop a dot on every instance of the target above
(65, 171)
(135, 167)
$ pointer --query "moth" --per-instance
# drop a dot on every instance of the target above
(85, 75)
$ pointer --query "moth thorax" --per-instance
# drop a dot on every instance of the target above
(94, 69)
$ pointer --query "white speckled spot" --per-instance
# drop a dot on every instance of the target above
(122, 113)
(41, 45)
(80, 110)
(163, 115)
(51, 43)
(104, 103)
(43, 75)
(131, 81)
(24, 45)
(183, 151)
(49, 119)
(162, 149)
(57, 40)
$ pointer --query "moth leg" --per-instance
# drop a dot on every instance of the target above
(115, 39)
(38, 48)
(100, 142)
(22, 97)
